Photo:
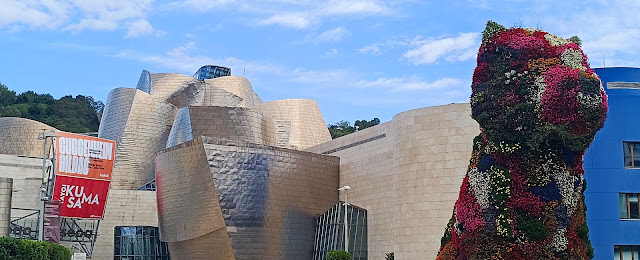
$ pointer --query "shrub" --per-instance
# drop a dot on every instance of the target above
(19, 249)
(338, 255)
(58, 252)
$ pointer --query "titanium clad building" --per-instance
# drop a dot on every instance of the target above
(219, 197)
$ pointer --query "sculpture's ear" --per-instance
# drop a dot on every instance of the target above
(576, 40)
(491, 29)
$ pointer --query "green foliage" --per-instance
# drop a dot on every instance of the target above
(338, 255)
(533, 228)
(58, 252)
(388, 256)
(20, 249)
(72, 114)
(576, 40)
(491, 29)
(343, 128)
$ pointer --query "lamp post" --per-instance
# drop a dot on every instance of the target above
(346, 227)
(44, 188)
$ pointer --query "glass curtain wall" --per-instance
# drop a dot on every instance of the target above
(330, 232)
(211, 72)
(139, 243)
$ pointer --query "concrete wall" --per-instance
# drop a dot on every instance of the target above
(26, 173)
(124, 208)
(407, 173)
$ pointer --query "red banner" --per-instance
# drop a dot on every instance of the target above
(81, 198)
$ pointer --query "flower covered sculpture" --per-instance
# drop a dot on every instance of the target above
(539, 106)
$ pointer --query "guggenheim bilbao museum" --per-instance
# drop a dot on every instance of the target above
(204, 169)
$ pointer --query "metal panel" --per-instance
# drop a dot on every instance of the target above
(140, 124)
(307, 128)
(19, 136)
(269, 197)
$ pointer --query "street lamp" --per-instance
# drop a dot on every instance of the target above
(44, 188)
(346, 228)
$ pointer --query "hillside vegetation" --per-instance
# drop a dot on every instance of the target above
(77, 114)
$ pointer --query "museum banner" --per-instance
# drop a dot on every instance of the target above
(84, 156)
(80, 197)
(83, 174)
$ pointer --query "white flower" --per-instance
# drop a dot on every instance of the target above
(573, 59)
(559, 240)
(570, 194)
(555, 40)
(481, 187)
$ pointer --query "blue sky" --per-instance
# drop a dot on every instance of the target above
(359, 59)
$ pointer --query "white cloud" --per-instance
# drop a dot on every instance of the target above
(141, 27)
(77, 15)
(47, 14)
(411, 83)
(334, 34)
(332, 52)
(107, 14)
(181, 59)
(292, 20)
(199, 5)
(451, 49)
(342, 7)
(373, 49)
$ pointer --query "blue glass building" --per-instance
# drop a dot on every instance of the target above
(211, 71)
(612, 170)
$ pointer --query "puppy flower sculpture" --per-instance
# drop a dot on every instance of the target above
(539, 106)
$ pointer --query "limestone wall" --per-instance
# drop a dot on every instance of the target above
(406, 173)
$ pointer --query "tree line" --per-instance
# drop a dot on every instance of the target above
(77, 114)
(343, 128)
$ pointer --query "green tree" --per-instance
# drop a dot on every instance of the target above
(7, 97)
(343, 128)
(73, 114)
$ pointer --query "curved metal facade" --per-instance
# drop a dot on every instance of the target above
(19, 136)
(268, 197)
(140, 125)
(199, 93)
(144, 83)
(308, 127)
(165, 84)
(238, 86)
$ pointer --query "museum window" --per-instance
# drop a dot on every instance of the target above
(139, 243)
(629, 207)
(631, 154)
(626, 252)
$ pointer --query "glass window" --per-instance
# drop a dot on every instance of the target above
(624, 211)
(629, 206)
(633, 206)
(626, 252)
(631, 154)
(139, 243)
